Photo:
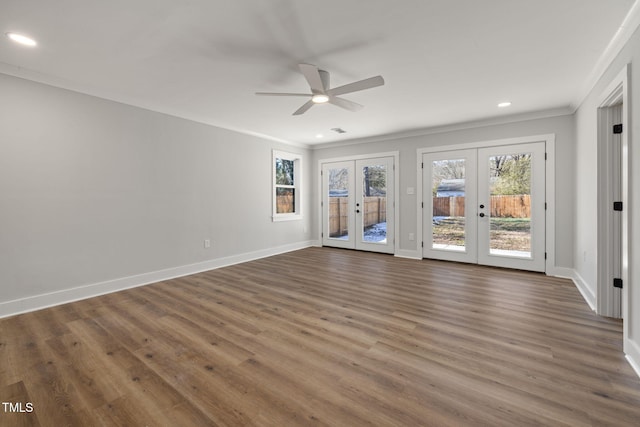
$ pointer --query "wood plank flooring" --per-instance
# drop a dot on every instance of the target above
(323, 337)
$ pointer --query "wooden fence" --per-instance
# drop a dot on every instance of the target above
(285, 203)
(448, 206)
(374, 212)
(517, 206)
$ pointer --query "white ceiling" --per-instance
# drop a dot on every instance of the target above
(444, 61)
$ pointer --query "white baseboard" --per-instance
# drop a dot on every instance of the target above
(564, 272)
(584, 289)
(570, 273)
(37, 302)
(631, 348)
(632, 354)
(634, 361)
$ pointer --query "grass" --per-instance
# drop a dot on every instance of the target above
(506, 233)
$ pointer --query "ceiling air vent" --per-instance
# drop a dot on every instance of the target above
(338, 130)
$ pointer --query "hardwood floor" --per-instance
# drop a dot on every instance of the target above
(323, 337)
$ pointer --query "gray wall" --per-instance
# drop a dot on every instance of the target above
(93, 190)
(585, 251)
(561, 126)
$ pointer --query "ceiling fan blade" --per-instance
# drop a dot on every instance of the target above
(312, 74)
(345, 103)
(282, 94)
(356, 86)
(304, 108)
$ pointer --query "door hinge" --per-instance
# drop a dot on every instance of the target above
(422, 205)
(422, 244)
(422, 165)
(617, 206)
(545, 255)
(545, 156)
(545, 206)
(617, 282)
(617, 129)
(322, 234)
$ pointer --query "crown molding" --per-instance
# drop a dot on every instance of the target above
(493, 121)
(624, 33)
(87, 90)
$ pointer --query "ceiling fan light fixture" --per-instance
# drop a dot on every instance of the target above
(320, 98)
(322, 93)
(24, 40)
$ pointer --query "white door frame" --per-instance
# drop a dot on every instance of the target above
(396, 188)
(617, 92)
(550, 221)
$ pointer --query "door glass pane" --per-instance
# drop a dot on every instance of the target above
(338, 203)
(374, 204)
(509, 209)
(448, 217)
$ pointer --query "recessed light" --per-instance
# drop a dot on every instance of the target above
(504, 104)
(319, 135)
(19, 38)
(320, 98)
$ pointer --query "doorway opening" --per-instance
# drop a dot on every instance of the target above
(613, 216)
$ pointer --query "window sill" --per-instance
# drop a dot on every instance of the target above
(292, 217)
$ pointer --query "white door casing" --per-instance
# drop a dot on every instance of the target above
(613, 185)
(543, 196)
(350, 197)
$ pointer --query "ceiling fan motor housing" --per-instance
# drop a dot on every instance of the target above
(324, 76)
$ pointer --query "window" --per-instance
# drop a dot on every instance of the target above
(286, 186)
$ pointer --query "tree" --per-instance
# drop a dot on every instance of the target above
(284, 171)
(446, 169)
(513, 176)
(375, 180)
(338, 179)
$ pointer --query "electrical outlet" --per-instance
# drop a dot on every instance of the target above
(207, 243)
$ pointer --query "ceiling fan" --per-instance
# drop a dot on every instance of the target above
(322, 93)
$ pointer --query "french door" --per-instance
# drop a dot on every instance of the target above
(486, 206)
(357, 204)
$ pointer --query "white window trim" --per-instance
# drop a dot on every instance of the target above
(297, 179)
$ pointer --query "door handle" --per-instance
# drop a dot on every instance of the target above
(481, 214)
(357, 210)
